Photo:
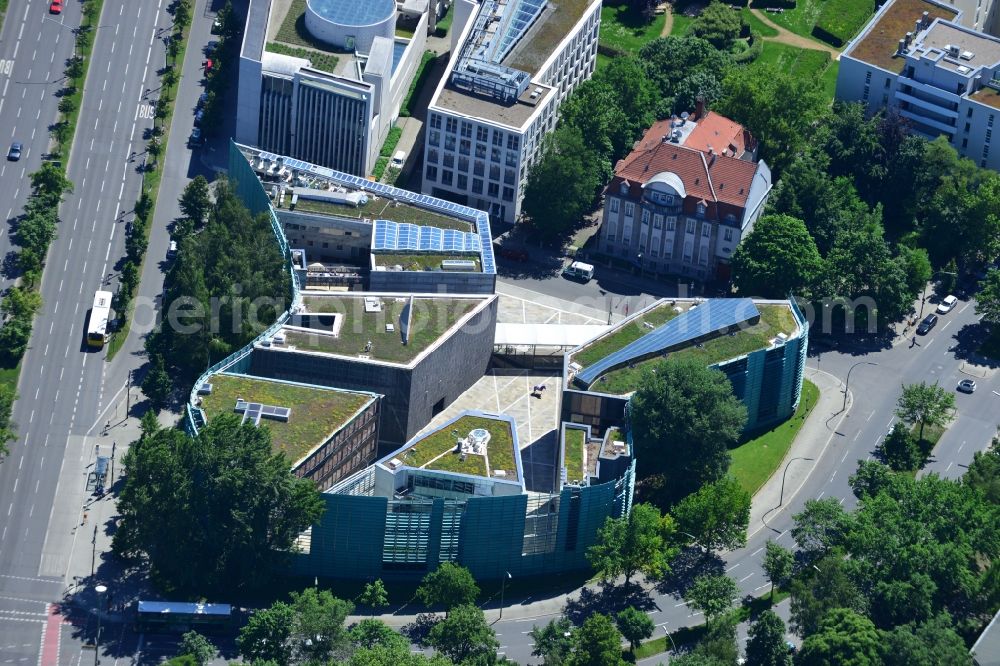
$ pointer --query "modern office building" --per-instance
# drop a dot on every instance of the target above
(457, 494)
(685, 197)
(513, 62)
(327, 434)
(928, 61)
(350, 232)
(759, 345)
(330, 96)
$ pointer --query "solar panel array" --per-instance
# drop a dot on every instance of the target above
(524, 15)
(713, 315)
(405, 236)
(480, 218)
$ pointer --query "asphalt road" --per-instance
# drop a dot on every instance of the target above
(62, 385)
(938, 356)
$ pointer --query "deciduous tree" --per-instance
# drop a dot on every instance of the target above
(374, 596)
(633, 543)
(635, 626)
(712, 594)
(553, 642)
(449, 585)
(777, 258)
(778, 564)
(267, 635)
(371, 633)
(194, 202)
(465, 636)
(198, 647)
(844, 638)
(596, 643)
(717, 24)
(819, 526)
(684, 417)
(925, 404)
(717, 515)
(900, 450)
(766, 646)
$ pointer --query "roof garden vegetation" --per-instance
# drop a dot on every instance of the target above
(541, 39)
(774, 319)
(438, 451)
(293, 29)
(316, 412)
(574, 440)
(431, 318)
(385, 209)
(326, 62)
(878, 46)
(626, 334)
(422, 261)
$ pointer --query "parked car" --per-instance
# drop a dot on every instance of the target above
(946, 304)
(195, 139)
(56, 7)
(217, 26)
(14, 154)
(398, 159)
(211, 46)
(202, 98)
(208, 64)
(198, 115)
(172, 251)
(966, 386)
(927, 324)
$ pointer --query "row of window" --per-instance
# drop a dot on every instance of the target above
(654, 253)
(483, 134)
(479, 167)
(461, 181)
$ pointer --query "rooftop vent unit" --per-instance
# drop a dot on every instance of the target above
(962, 69)
(499, 473)
(684, 116)
(395, 463)
(967, 55)
(952, 50)
(675, 136)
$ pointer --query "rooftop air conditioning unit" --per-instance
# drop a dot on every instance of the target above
(499, 473)
(967, 55)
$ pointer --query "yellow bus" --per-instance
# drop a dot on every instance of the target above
(97, 329)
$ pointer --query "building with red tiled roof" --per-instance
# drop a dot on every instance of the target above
(682, 200)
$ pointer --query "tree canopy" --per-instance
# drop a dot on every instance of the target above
(777, 258)
(766, 646)
(182, 492)
(845, 638)
(717, 515)
(633, 543)
(465, 637)
(925, 404)
(449, 585)
(684, 418)
(597, 642)
(712, 594)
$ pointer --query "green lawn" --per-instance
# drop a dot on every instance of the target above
(431, 318)
(801, 18)
(500, 449)
(774, 319)
(806, 63)
(326, 62)
(628, 333)
(757, 26)
(316, 412)
(9, 376)
(754, 461)
(384, 209)
(422, 261)
(830, 79)
(404, 32)
(680, 25)
(625, 30)
(573, 460)
(840, 20)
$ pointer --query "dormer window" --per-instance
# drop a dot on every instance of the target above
(701, 210)
(623, 188)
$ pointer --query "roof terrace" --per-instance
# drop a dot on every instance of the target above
(712, 348)
(380, 208)
(314, 412)
(373, 327)
(441, 450)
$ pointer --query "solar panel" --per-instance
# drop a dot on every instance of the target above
(711, 316)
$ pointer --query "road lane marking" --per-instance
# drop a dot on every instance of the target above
(745, 577)
(754, 553)
(947, 325)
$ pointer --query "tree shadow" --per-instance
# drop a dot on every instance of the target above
(418, 630)
(689, 564)
(609, 599)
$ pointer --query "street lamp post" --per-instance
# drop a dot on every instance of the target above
(100, 589)
(923, 299)
(667, 632)
(847, 384)
(503, 587)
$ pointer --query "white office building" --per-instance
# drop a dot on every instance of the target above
(926, 60)
(513, 62)
(329, 99)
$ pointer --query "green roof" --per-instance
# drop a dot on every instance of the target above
(574, 440)
(625, 334)
(432, 318)
(541, 39)
(437, 451)
(385, 209)
(423, 261)
(316, 412)
(774, 319)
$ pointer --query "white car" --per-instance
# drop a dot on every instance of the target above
(946, 305)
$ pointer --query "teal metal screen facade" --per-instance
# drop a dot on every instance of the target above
(364, 536)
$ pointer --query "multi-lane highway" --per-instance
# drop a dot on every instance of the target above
(62, 386)
(938, 356)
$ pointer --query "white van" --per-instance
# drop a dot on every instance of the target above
(580, 271)
(398, 159)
